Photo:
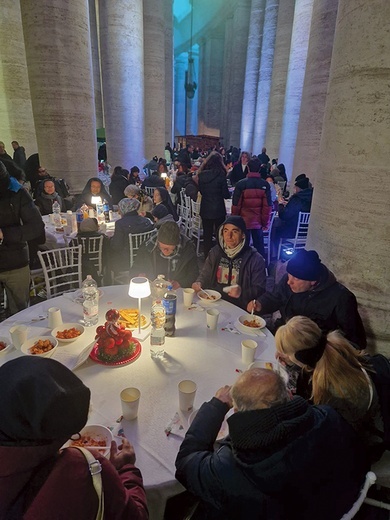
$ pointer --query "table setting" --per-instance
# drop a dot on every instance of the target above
(143, 398)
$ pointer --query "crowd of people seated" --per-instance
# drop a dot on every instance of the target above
(287, 451)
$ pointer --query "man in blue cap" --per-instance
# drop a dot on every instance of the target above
(310, 289)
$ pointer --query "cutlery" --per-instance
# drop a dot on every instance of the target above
(253, 308)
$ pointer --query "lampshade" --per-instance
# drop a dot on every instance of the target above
(163, 175)
(139, 287)
(96, 200)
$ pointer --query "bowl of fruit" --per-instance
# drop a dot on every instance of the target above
(114, 344)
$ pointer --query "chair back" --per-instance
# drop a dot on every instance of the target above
(149, 191)
(135, 240)
(302, 229)
(61, 269)
(368, 482)
(92, 249)
(196, 230)
(267, 237)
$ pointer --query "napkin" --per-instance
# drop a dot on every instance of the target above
(175, 426)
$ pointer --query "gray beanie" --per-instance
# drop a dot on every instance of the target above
(169, 234)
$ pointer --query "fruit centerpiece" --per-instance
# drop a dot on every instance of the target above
(114, 343)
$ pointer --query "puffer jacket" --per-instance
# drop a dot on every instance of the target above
(252, 201)
(289, 214)
(214, 189)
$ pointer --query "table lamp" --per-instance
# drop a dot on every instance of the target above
(139, 288)
(96, 200)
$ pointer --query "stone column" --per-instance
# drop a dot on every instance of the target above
(58, 53)
(265, 74)
(239, 46)
(180, 69)
(122, 62)
(295, 76)
(97, 84)
(16, 116)
(315, 87)
(154, 62)
(279, 75)
(255, 39)
(350, 223)
(226, 82)
(169, 83)
(203, 82)
(213, 83)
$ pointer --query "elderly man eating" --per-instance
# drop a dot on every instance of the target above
(233, 264)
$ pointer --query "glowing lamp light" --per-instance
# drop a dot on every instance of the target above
(139, 288)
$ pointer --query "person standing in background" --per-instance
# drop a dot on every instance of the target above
(19, 154)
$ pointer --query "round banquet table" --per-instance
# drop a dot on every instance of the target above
(210, 358)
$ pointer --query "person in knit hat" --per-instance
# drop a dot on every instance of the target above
(43, 404)
(283, 457)
(233, 263)
(170, 253)
(160, 215)
(310, 289)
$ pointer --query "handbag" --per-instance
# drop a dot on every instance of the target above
(95, 469)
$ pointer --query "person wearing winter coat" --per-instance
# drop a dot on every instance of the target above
(93, 188)
(283, 458)
(119, 181)
(252, 201)
(46, 199)
(233, 262)
(240, 170)
(161, 196)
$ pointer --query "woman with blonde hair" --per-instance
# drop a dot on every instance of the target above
(333, 373)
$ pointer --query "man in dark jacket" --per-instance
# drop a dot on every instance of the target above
(233, 263)
(184, 156)
(252, 200)
(310, 289)
(263, 157)
(240, 170)
(289, 213)
(170, 253)
(153, 181)
(20, 221)
(19, 154)
(283, 458)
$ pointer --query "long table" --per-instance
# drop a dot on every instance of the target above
(210, 358)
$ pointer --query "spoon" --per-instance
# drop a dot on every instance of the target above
(253, 308)
(40, 317)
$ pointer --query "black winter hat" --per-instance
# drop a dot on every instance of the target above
(305, 265)
(160, 211)
(237, 221)
(302, 181)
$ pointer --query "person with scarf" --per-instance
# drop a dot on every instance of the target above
(170, 253)
(20, 221)
(232, 262)
(161, 196)
(283, 458)
(44, 404)
(46, 199)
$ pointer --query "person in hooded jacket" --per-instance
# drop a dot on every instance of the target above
(283, 458)
(119, 181)
(214, 190)
(43, 404)
(93, 188)
(233, 263)
(161, 196)
(20, 222)
(310, 289)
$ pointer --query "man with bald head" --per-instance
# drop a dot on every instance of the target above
(283, 458)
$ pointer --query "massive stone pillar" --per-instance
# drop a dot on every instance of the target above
(238, 62)
(226, 82)
(350, 223)
(154, 61)
(265, 74)
(295, 76)
(122, 63)
(203, 81)
(16, 116)
(169, 83)
(279, 75)
(315, 87)
(180, 102)
(58, 52)
(255, 39)
(97, 84)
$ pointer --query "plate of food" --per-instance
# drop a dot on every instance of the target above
(251, 323)
(5, 345)
(129, 318)
(43, 346)
(112, 355)
(208, 296)
(68, 332)
(93, 436)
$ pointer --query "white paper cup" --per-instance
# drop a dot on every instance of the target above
(212, 316)
(248, 351)
(130, 402)
(187, 391)
(55, 318)
(18, 335)
(188, 296)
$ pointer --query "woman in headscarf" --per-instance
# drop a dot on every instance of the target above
(93, 188)
(161, 196)
(48, 197)
(119, 181)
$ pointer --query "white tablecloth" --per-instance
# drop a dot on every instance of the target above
(210, 358)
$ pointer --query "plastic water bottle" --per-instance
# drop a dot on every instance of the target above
(57, 214)
(79, 218)
(159, 287)
(100, 213)
(169, 302)
(106, 211)
(157, 334)
(90, 301)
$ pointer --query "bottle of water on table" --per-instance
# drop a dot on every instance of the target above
(157, 335)
(57, 214)
(90, 301)
(169, 302)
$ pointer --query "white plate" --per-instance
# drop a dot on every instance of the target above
(8, 343)
(252, 317)
(25, 348)
(224, 429)
(68, 326)
(97, 432)
(205, 300)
